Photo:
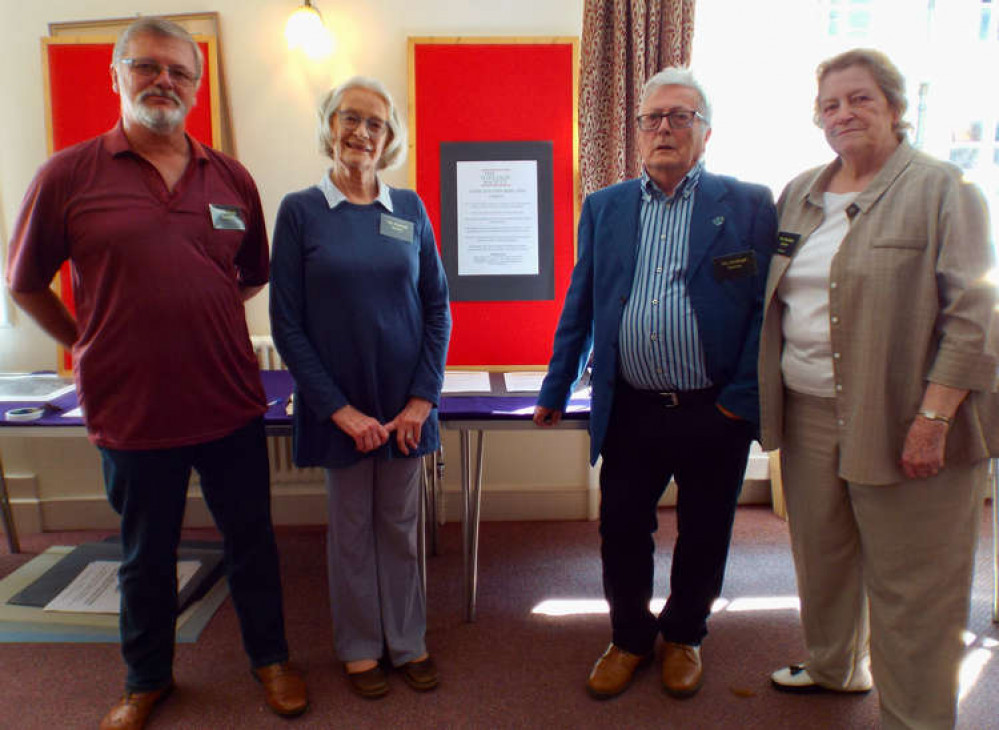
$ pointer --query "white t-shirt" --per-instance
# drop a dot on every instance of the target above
(806, 362)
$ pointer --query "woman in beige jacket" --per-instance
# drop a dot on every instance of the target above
(876, 364)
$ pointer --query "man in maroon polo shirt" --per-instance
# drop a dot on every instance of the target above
(166, 239)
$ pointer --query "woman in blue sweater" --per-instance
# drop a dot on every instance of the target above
(359, 312)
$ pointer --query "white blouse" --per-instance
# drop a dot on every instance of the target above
(806, 362)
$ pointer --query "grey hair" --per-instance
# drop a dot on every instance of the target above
(885, 74)
(158, 27)
(678, 76)
(394, 153)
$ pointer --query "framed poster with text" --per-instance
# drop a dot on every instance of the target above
(493, 156)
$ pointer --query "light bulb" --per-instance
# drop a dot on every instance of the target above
(306, 31)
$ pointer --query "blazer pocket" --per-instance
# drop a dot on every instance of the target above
(896, 242)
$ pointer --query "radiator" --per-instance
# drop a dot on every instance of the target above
(283, 469)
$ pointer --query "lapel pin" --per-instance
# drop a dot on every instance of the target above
(718, 220)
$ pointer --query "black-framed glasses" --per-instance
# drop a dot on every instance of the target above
(147, 68)
(678, 119)
(352, 120)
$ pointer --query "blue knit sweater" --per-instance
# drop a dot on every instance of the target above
(360, 318)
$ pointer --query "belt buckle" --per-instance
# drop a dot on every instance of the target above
(670, 398)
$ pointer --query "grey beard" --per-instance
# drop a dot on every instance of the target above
(160, 121)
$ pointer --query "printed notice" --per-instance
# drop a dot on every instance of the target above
(37, 388)
(497, 218)
(529, 381)
(95, 589)
(464, 381)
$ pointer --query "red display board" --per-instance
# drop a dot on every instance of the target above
(496, 90)
(80, 104)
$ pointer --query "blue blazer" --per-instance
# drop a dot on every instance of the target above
(729, 217)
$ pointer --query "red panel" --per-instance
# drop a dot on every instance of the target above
(494, 93)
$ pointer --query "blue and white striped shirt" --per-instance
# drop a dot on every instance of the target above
(660, 348)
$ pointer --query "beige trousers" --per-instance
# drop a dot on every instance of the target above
(884, 572)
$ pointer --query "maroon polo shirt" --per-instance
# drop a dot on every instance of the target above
(163, 357)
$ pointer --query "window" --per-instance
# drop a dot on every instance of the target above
(759, 68)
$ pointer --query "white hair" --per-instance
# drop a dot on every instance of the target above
(678, 76)
(394, 153)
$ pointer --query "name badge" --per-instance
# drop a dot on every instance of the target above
(787, 243)
(735, 265)
(397, 228)
(226, 217)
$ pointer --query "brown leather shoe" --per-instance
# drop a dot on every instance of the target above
(134, 709)
(422, 675)
(369, 684)
(682, 670)
(284, 688)
(613, 672)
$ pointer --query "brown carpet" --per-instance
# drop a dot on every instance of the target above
(510, 669)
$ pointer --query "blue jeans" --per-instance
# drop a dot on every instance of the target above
(149, 490)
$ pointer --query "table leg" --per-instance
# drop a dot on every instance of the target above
(421, 529)
(475, 505)
(466, 517)
(429, 494)
(9, 528)
(995, 540)
(471, 492)
(437, 500)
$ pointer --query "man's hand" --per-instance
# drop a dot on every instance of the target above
(408, 425)
(368, 433)
(546, 417)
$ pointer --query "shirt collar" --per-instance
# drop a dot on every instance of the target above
(685, 189)
(334, 196)
(116, 143)
(892, 168)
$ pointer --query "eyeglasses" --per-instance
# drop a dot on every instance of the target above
(147, 68)
(678, 119)
(352, 120)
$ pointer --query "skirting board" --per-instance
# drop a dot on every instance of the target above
(305, 504)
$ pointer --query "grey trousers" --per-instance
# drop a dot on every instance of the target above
(883, 571)
(376, 594)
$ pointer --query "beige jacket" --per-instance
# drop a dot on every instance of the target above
(908, 304)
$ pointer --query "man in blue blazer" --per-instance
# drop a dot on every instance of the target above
(668, 294)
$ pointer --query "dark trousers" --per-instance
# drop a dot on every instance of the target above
(705, 452)
(149, 490)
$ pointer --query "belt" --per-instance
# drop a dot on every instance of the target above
(677, 398)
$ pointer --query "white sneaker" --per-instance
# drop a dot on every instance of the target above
(796, 678)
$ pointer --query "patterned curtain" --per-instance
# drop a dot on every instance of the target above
(624, 43)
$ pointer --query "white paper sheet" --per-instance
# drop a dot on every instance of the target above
(29, 388)
(466, 381)
(497, 218)
(527, 381)
(95, 589)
